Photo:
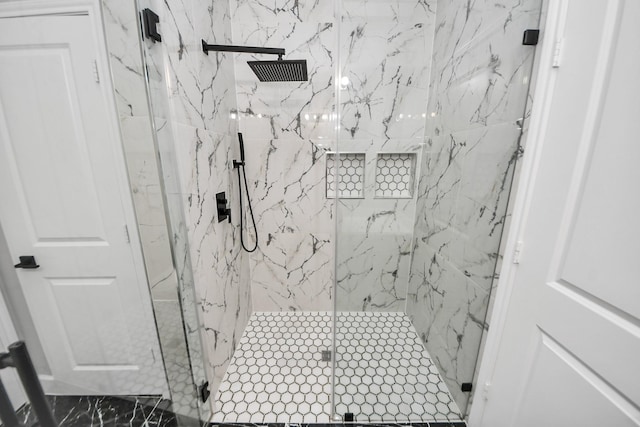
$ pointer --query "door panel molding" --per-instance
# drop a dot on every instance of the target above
(593, 119)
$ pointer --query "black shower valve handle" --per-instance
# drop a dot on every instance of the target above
(221, 204)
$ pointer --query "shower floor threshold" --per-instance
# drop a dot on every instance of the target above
(383, 372)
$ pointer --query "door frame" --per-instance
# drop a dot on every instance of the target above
(93, 10)
(545, 75)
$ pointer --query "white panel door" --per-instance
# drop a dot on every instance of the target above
(64, 200)
(570, 352)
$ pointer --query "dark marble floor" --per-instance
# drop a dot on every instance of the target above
(85, 411)
(110, 411)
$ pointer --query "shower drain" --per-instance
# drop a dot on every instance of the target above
(326, 355)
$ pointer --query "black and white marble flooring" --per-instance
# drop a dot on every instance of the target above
(383, 372)
(84, 411)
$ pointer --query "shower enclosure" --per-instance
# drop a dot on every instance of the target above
(380, 185)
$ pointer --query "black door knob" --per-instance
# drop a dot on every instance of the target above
(27, 261)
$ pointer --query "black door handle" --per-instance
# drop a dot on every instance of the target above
(27, 261)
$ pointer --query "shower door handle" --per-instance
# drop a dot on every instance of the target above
(28, 262)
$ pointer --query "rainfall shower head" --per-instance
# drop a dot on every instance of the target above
(291, 70)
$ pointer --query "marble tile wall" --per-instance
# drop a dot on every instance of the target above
(478, 89)
(385, 58)
(288, 128)
(193, 101)
(382, 52)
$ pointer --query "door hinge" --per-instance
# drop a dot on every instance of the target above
(96, 74)
(150, 21)
(517, 252)
(557, 53)
(203, 391)
(530, 37)
(126, 234)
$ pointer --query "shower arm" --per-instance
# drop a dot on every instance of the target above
(206, 48)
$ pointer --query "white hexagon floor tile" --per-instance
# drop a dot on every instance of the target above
(383, 372)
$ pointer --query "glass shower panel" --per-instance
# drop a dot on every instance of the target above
(174, 299)
(126, 331)
(384, 62)
(432, 97)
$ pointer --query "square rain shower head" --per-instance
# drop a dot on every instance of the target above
(282, 70)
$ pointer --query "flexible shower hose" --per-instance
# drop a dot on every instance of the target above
(253, 219)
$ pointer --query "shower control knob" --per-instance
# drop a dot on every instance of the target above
(221, 205)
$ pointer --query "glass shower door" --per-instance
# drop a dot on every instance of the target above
(174, 298)
(433, 111)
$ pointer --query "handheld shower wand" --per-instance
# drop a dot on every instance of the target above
(238, 165)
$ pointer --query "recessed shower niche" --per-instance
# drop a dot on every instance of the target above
(395, 175)
(349, 168)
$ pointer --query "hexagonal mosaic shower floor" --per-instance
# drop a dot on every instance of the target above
(383, 372)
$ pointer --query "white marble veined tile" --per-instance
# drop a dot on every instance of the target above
(287, 185)
(373, 272)
(270, 11)
(215, 72)
(384, 90)
(489, 156)
(121, 30)
(292, 271)
(395, 10)
(482, 70)
(216, 94)
(460, 25)
(289, 109)
(373, 253)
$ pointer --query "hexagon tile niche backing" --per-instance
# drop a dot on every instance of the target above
(351, 173)
(395, 175)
